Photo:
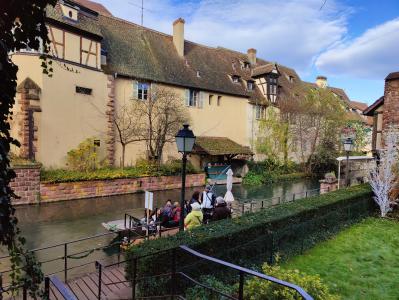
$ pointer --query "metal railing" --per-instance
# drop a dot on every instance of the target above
(174, 276)
(62, 289)
(243, 206)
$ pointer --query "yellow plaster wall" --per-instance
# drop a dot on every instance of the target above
(226, 120)
(67, 117)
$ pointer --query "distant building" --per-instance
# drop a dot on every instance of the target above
(385, 111)
(101, 62)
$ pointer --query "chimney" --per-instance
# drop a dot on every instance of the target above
(178, 36)
(321, 81)
(252, 56)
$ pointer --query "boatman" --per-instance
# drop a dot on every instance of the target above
(208, 203)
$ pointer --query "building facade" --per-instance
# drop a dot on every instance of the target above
(385, 111)
(102, 62)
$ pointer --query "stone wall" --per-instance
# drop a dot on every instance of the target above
(391, 103)
(27, 184)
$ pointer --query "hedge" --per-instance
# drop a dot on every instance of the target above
(62, 175)
(287, 229)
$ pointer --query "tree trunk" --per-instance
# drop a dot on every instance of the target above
(123, 155)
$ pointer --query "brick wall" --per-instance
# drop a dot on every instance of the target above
(27, 184)
(391, 103)
(87, 189)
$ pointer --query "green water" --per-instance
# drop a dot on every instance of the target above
(54, 223)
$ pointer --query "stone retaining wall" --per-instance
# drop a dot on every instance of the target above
(27, 185)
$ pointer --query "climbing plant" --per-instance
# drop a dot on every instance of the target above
(22, 26)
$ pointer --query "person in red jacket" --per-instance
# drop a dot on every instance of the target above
(176, 215)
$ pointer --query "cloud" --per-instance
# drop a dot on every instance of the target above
(372, 55)
(291, 32)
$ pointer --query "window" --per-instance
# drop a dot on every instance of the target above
(198, 74)
(219, 100)
(250, 85)
(142, 91)
(83, 90)
(272, 88)
(210, 99)
(291, 79)
(235, 78)
(260, 112)
(193, 98)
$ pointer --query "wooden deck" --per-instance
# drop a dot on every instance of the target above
(113, 285)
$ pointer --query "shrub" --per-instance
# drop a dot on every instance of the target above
(288, 229)
(324, 160)
(142, 169)
(258, 289)
(84, 158)
(271, 170)
(200, 293)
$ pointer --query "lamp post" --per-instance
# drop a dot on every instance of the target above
(185, 139)
(348, 146)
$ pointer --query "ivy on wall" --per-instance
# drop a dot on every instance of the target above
(22, 26)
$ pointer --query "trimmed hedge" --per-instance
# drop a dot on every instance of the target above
(287, 229)
(172, 168)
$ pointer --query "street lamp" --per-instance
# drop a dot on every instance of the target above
(348, 146)
(185, 139)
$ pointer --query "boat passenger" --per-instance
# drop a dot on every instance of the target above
(176, 214)
(166, 212)
(194, 218)
(221, 210)
(208, 203)
(194, 198)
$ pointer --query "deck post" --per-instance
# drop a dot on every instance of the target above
(241, 286)
(173, 274)
(65, 262)
(134, 278)
(47, 287)
(100, 269)
(24, 293)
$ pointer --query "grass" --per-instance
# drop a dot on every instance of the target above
(361, 262)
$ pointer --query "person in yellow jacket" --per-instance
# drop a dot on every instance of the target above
(194, 218)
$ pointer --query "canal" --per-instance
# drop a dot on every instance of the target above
(54, 223)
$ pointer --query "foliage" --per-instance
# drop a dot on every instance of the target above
(85, 157)
(361, 134)
(361, 262)
(256, 237)
(22, 25)
(158, 119)
(275, 137)
(271, 170)
(200, 293)
(382, 176)
(324, 160)
(142, 169)
(257, 289)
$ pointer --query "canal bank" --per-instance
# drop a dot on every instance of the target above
(59, 222)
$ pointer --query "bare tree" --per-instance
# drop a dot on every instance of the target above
(161, 116)
(382, 177)
(127, 125)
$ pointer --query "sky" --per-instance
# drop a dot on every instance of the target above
(355, 43)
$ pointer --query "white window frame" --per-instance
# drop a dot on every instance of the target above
(142, 90)
(260, 112)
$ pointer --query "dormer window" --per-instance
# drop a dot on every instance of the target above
(272, 85)
(198, 74)
(290, 78)
(245, 65)
(250, 85)
(70, 12)
(235, 78)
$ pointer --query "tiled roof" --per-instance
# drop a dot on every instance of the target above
(97, 7)
(339, 92)
(393, 75)
(139, 52)
(219, 146)
(85, 22)
(369, 111)
(358, 105)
